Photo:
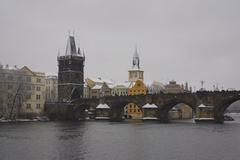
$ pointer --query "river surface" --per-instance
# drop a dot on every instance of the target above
(132, 140)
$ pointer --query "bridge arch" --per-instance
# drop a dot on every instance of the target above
(118, 104)
(220, 109)
(164, 110)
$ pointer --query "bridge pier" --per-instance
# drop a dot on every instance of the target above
(116, 114)
(163, 120)
(219, 118)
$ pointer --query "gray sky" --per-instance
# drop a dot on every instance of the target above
(184, 40)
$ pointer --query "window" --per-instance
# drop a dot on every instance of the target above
(28, 106)
(19, 78)
(28, 88)
(38, 97)
(38, 106)
(28, 79)
(38, 88)
(10, 86)
(28, 96)
(38, 80)
(10, 77)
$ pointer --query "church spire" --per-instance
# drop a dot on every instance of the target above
(136, 60)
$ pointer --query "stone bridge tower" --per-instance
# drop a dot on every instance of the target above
(71, 72)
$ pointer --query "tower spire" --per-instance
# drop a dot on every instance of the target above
(136, 59)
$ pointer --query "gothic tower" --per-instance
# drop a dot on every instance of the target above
(135, 72)
(71, 72)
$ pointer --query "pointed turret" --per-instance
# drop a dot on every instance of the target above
(136, 60)
(79, 52)
(135, 73)
(71, 46)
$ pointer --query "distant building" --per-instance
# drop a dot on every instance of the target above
(22, 92)
(51, 88)
(120, 89)
(71, 72)
(101, 91)
(155, 87)
(98, 87)
(86, 91)
(91, 82)
(173, 87)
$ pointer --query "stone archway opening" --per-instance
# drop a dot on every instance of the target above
(181, 112)
(176, 110)
(232, 112)
(133, 111)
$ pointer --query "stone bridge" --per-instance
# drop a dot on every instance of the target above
(165, 102)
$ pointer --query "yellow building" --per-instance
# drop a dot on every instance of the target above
(132, 110)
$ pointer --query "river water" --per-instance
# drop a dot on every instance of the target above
(132, 140)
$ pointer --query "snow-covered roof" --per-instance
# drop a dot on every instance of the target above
(154, 84)
(150, 106)
(201, 106)
(204, 106)
(122, 85)
(111, 86)
(97, 87)
(100, 80)
(102, 106)
(132, 84)
(174, 109)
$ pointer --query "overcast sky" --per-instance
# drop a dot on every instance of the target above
(184, 40)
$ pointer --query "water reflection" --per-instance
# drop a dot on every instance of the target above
(69, 142)
(119, 141)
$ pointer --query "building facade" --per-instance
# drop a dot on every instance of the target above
(22, 92)
(71, 72)
(51, 89)
(155, 87)
(120, 89)
(132, 110)
(101, 91)
(98, 87)
(173, 87)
